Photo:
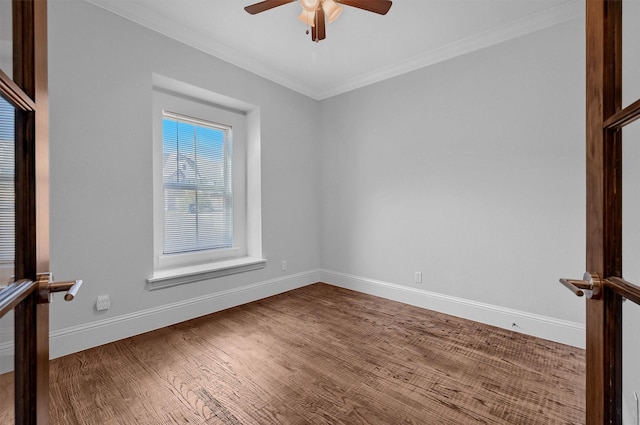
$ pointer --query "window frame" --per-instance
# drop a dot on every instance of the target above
(228, 190)
(246, 252)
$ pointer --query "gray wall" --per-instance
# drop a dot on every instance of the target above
(631, 210)
(100, 80)
(471, 171)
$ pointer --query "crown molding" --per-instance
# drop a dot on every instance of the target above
(548, 18)
(134, 12)
(564, 12)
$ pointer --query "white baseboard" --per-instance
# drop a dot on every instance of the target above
(549, 328)
(629, 407)
(78, 338)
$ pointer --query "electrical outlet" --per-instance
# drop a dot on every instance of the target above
(103, 303)
(284, 265)
(418, 277)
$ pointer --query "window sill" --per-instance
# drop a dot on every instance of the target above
(182, 275)
(206, 257)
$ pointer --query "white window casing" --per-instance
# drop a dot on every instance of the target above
(199, 189)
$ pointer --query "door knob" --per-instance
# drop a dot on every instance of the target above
(70, 286)
(47, 287)
(589, 286)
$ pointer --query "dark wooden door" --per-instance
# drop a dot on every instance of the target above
(603, 284)
(23, 87)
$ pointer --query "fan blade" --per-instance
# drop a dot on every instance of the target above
(265, 5)
(376, 6)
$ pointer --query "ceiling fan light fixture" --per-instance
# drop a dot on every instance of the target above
(316, 13)
(308, 18)
(331, 9)
(310, 5)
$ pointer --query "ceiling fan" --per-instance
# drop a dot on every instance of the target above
(316, 12)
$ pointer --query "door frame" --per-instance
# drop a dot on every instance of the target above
(28, 92)
(605, 119)
(604, 210)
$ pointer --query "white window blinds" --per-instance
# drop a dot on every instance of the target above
(7, 187)
(198, 194)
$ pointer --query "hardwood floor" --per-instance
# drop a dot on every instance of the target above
(322, 355)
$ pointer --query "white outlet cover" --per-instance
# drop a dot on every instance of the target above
(103, 303)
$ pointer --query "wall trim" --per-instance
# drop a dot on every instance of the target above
(77, 338)
(562, 331)
(82, 337)
(137, 13)
(547, 18)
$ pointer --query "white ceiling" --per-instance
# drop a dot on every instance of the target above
(361, 47)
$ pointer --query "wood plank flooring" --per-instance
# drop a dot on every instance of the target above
(322, 355)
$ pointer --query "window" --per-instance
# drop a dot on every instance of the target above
(207, 214)
(7, 191)
(198, 190)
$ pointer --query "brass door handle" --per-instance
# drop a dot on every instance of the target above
(593, 284)
(70, 286)
(47, 287)
(589, 286)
